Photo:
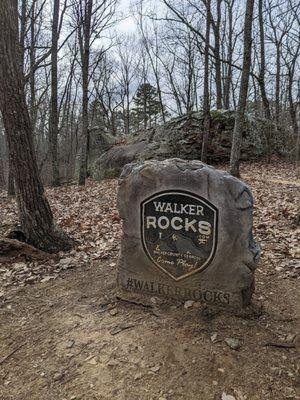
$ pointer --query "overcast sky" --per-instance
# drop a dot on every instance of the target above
(128, 25)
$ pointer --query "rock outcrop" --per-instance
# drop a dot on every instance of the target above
(182, 137)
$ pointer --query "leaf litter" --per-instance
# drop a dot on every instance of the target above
(89, 215)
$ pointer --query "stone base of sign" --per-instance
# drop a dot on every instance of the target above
(214, 229)
(133, 288)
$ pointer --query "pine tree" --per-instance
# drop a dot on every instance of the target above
(147, 106)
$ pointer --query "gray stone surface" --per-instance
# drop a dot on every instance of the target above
(111, 163)
(179, 137)
(194, 241)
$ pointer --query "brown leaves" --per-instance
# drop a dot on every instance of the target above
(275, 189)
(89, 215)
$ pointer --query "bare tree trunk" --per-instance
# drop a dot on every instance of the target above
(291, 65)
(127, 110)
(53, 121)
(292, 105)
(34, 211)
(228, 80)
(262, 73)
(261, 79)
(32, 60)
(240, 113)
(10, 182)
(23, 29)
(84, 42)
(206, 107)
(217, 57)
(277, 85)
(298, 144)
(2, 177)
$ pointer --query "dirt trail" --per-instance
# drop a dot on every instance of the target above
(71, 348)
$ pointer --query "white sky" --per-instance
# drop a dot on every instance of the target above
(128, 24)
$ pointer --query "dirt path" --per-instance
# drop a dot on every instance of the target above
(71, 347)
(69, 338)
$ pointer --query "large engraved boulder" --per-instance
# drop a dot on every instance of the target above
(187, 233)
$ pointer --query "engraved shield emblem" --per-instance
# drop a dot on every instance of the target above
(179, 232)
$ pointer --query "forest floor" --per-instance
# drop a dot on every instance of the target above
(63, 334)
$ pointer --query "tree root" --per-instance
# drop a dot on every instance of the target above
(15, 249)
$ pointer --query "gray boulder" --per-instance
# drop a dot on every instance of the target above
(110, 163)
(181, 137)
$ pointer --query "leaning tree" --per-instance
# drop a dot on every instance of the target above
(244, 84)
(34, 211)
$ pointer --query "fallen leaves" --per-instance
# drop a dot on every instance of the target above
(89, 215)
(275, 189)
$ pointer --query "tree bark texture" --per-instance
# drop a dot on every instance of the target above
(53, 122)
(84, 41)
(34, 211)
(10, 182)
(228, 79)
(206, 107)
(240, 114)
(218, 77)
(262, 72)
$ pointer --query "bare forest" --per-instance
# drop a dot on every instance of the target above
(90, 86)
(82, 72)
